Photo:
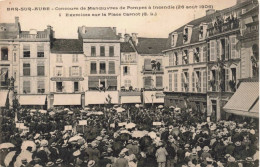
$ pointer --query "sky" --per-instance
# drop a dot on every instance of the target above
(159, 26)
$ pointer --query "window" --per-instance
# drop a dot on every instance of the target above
(26, 69)
(127, 83)
(58, 71)
(175, 81)
(59, 86)
(111, 67)
(185, 57)
(4, 76)
(40, 70)
(170, 82)
(59, 58)
(126, 70)
(204, 54)
(212, 50)
(4, 53)
(102, 51)
(148, 82)
(41, 87)
(102, 68)
(173, 42)
(26, 50)
(75, 58)
(40, 51)
(196, 55)
(226, 80)
(26, 87)
(204, 81)
(198, 81)
(233, 42)
(74, 71)
(76, 86)
(147, 65)
(111, 51)
(93, 68)
(201, 32)
(159, 81)
(185, 81)
(93, 51)
(171, 59)
(255, 60)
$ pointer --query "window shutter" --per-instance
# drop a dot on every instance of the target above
(128, 70)
(212, 50)
(147, 82)
(204, 81)
(111, 67)
(218, 49)
(227, 80)
(69, 71)
(54, 88)
(175, 81)
(182, 81)
(80, 71)
(193, 81)
(233, 47)
(226, 49)
(159, 81)
(188, 81)
(147, 64)
(170, 82)
(209, 86)
(205, 54)
(217, 80)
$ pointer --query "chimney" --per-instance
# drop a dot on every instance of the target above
(83, 29)
(114, 29)
(16, 20)
(134, 37)
(127, 37)
(210, 11)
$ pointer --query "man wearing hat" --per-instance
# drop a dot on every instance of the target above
(54, 152)
(161, 154)
(205, 154)
(121, 161)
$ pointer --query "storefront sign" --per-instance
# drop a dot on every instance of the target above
(59, 79)
(159, 95)
(90, 78)
(68, 127)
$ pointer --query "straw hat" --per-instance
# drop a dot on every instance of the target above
(91, 163)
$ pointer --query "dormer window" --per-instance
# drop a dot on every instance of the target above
(172, 40)
(174, 37)
(201, 32)
(185, 35)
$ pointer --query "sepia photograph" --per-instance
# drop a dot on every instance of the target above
(129, 83)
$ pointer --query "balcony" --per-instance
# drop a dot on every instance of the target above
(153, 70)
(223, 27)
(33, 36)
(128, 61)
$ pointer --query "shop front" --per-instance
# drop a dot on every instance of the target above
(67, 99)
(101, 97)
(33, 101)
(153, 97)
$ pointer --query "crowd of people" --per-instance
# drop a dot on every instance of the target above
(130, 136)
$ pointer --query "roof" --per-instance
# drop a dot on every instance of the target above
(67, 46)
(151, 45)
(126, 47)
(11, 30)
(106, 33)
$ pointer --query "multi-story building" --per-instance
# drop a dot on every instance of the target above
(33, 71)
(101, 46)
(67, 69)
(9, 57)
(186, 67)
(151, 68)
(245, 101)
(224, 56)
(130, 91)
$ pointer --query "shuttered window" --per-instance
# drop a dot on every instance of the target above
(193, 82)
(26, 51)
(147, 82)
(26, 69)
(93, 51)
(40, 70)
(182, 82)
(159, 81)
(111, 51)
(40, 50)
(102, 67)
(93, 83)
(147, 64)
(175, 81)
(176, 58)
(111, 69)
(205, 54)
(40, 87)
(226, 49)
(209, 78)
(170, 82)
(187, 80)
(26, 87)
(93, 68)
(111, 82)
(204, 81)
(227, 80)
(102, 51)
(233, 50)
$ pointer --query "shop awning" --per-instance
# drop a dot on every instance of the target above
(32, 100)
(97, 97)
(3, 95)
(243, 101)
(130, 99)
(67, 99)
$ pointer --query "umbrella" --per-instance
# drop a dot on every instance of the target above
(177, 109)
(172, 107)
(23, 155)
(137, 105)
(99, 113)
(51, 113)
(32, 110)
(130, 125)
(9, 158)
(120, 109)
(87, 108)
(27, 144)
(139, 134)
(43, 111)
(44, 143)
(152, 135)
(66, 109)
(160, 106)
(83, 111)
(75, 138)
(125, 131)
(70, 112)
(6, 145)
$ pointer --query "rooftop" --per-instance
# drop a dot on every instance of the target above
(151, 45)
(67, 46)
(104, 33)
(8, 30)
(126, 47)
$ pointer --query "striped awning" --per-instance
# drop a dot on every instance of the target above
(244, 102)
(32, 99)
(3, 95)
(67, 99)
